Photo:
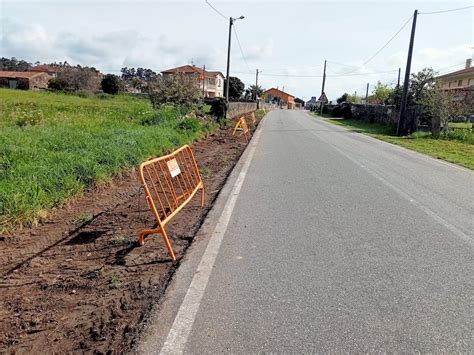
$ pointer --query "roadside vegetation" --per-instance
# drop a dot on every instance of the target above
(456, 146)
(55, 145)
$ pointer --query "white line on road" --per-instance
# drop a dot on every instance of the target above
(182, 325)
(402, 193)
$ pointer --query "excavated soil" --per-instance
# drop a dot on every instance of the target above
(78, 282)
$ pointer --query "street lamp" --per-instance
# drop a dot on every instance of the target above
(231, 22)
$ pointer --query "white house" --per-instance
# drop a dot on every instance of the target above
(213, 81)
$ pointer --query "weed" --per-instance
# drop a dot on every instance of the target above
(121, 239)
(115, 281)
(205, 172)
(83, 218)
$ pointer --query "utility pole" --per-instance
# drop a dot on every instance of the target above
(256, 87)
(204, 81)
(401, 127)
(398, 81)
(322, 88)
(367, 93)
(231, 22)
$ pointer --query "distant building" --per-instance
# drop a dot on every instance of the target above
(460, 79)
(46, 68)
(213, 80)
(25, 80)
(276, 96)
(299, 103)
(311, 104)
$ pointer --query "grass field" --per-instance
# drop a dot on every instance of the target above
(53, 146)
(459, 151)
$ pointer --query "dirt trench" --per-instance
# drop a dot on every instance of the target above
(78, 282)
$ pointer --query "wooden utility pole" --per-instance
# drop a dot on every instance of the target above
(401, 127)
(398, 81)
(231, 22)
(367, 93)
(324, 83)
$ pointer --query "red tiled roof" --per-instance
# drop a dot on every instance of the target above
(19, 74)
(459, 72)
(278, 91)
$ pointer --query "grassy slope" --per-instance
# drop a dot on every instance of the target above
(457, 152)
(52, 146)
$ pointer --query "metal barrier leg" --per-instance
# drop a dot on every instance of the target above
(141, 239)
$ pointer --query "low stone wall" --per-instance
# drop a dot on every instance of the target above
(240, 108)
(385, 114)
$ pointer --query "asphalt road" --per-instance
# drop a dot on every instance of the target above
(341, 243)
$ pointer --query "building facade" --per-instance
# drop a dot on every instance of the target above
(210, 82)
(460, 79)
(276, 96)
(24, 80)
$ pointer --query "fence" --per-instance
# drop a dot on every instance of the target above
(170, 182)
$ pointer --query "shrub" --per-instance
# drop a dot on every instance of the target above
(218, 108)
(111, 84)
(178, 89)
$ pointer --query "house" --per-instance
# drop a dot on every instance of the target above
(276, 96)
(46, 68)
(311, 104)
(213, 81)
(299, 103)
(25, 80)
(460, 79)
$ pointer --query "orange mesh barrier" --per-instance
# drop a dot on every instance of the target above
(242, 126)
(170, 182)
(254, 119)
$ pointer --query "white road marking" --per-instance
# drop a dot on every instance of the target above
(402, 193)
(182, 325)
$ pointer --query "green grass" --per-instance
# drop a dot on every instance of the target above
(460, 152)
(53, 146)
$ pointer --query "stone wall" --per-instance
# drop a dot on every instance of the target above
(240, 108)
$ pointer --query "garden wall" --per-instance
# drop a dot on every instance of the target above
(240, 108)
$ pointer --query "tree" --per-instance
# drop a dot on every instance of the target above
(111, 84)
(236, 88)
(343, 98)
(74, 78)
(253, 91)
(420, 84)
(443, 106)
(178, 89)
(137, 78)
(14, 64)
(353, 99)
(381, 94)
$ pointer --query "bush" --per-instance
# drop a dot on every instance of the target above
(111, 84)
(218, 108)
(178, 89)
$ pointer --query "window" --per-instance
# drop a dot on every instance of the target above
(460, 83)
(470, 82)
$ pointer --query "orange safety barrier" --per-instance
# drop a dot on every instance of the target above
(254, 119)
(242, 126)
(170, 182)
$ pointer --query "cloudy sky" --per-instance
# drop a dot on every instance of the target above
(287, 40)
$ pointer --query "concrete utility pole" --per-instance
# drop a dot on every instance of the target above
(401, 127)
(256, 87)
(367, 93)
(324, 83)
(231, 22)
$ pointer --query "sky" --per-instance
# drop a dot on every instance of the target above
(287, 41)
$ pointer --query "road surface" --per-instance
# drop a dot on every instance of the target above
(337, 243)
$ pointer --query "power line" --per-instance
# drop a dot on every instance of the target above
(390, 40)
(240, 47)
(217, 11)
(449, 10)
